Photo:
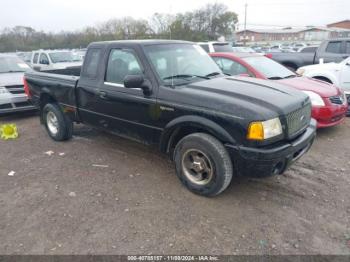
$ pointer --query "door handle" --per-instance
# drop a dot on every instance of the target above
(102, 94)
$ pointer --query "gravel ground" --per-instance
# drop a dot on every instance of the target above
(100, 194)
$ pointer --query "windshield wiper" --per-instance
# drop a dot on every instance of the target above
(213, 74)
(274, 78)
(185, 76)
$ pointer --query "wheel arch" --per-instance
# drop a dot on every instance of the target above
(185, 125)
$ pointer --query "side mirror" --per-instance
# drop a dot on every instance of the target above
(348, 64)
(137, 81)
(44, 62)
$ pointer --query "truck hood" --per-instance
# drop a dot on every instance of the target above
(309, 84)
(242, 97)
(8, 79)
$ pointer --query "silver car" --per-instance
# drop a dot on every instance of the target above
(12, 95)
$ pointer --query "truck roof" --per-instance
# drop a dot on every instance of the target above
(142, 42)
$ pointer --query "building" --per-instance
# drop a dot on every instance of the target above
(345, 24)
(289, 34)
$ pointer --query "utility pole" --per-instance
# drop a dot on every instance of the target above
(245, 23)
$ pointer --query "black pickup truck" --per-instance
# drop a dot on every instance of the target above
(335, 50)
(172, 94)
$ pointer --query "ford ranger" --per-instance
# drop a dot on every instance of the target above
(172, 94)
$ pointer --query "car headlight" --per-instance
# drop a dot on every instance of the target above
(300, 71)
(264, 129)
(3, 90)
(316, 100)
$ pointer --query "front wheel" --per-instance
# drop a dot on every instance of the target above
(203, 164)
(57, 125)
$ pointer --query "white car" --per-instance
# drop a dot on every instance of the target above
(335, 73)
(44, 60)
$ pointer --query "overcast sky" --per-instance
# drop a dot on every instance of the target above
(56, 15)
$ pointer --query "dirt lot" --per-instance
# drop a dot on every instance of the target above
(65, 204)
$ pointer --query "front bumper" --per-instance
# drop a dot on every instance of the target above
(15, 103)
(263, 162)
(330, 115)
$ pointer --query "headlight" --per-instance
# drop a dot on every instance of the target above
(316, 100)
(3, 90)
(264, 130)
(300, 71)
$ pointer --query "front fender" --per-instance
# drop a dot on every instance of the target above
(196, 122)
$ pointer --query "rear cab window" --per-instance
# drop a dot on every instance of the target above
(334, 47)
(91, 63)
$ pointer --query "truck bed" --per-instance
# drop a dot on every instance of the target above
(61, 87)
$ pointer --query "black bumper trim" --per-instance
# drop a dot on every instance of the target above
(262, 162)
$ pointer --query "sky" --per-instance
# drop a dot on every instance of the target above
(57, 15)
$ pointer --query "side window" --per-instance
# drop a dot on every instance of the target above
(205, 47)
(334, 47)
(122, 62)
(35, 59)
(91, 63)
(347, 47)
(231, 67)
(44, 60)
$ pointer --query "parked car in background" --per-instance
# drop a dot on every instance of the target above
(47, 60)
(12, 95)
(329, 105)
(173, 95)
(211, 47)
(335, 73)
(334, 50)
(297, 46)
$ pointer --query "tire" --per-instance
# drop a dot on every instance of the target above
(63, 124)
(201, 151)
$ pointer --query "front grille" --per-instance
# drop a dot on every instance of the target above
(298, 120)
(18, 89)
(338, 100)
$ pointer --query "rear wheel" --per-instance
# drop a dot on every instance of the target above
(58, 126)
(203, 164)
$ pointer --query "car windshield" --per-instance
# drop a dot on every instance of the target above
(268, 67)
(12, 64)
(222, 47)
(178, 64)
(60, 57)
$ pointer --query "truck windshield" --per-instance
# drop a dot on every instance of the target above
(12, 64)
(178, 64)
(269, 68)
(61, 57)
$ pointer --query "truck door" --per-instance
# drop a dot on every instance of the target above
(126, 112)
